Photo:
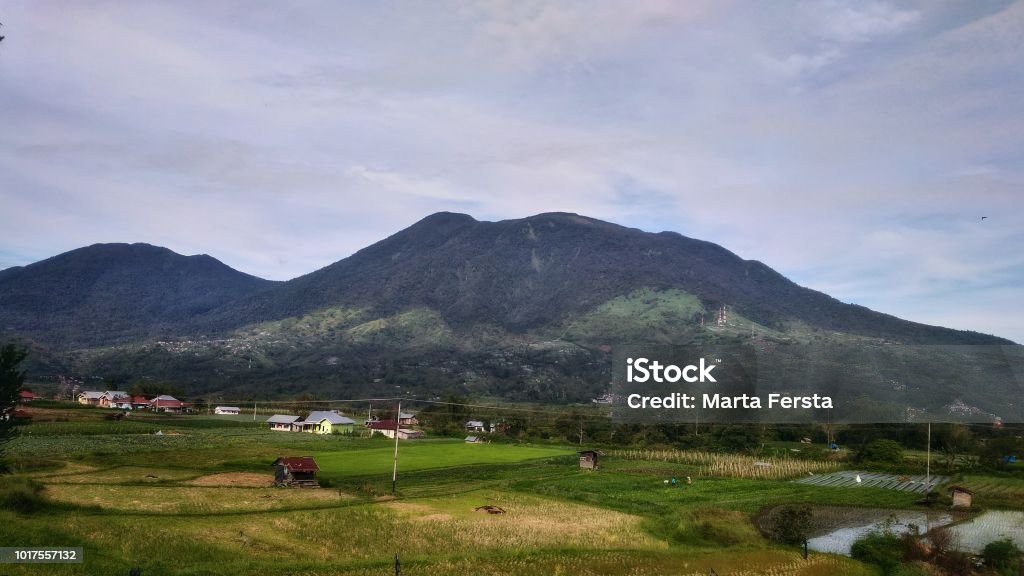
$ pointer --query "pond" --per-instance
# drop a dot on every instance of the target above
(974, 534)
(848, 525)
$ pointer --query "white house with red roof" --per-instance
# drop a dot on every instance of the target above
(169, 404)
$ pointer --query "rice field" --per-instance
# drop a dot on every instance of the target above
(994, 491)
(848, 479)
(190, 499)
(197, 503)
(712, 464)
(993, 525)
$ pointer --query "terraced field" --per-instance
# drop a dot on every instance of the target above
(849, 479)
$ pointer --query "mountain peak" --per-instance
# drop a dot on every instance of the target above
(115, 292)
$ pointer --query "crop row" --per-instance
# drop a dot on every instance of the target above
(731, 465)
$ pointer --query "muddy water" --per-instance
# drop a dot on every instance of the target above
(845, 531)
(973, 535)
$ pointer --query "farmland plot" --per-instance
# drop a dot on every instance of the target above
(848, 479)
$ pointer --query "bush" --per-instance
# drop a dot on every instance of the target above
(792, 524)
(23, 496)
(1001, 554)
(955, 563)
(883, 452)
(706, 527)
(883, 549)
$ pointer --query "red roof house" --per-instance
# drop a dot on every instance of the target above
(169, 404)
(295, 471)
(28, 396)
(139, 402)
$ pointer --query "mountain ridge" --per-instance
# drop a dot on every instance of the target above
(522, 275)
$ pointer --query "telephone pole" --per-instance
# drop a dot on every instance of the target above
(928, 459)
(394, 469)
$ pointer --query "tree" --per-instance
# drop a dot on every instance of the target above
(882, 451)
(792, 524)
(11, 380)
(954, 441)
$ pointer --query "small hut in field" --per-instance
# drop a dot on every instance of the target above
(296, 471)
(961, 496)
(589, 459)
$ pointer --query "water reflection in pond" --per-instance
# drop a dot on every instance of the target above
(973, 535)
(839, 538)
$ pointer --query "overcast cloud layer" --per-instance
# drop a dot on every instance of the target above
(853, 146)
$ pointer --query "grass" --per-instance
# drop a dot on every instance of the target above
(190, 500)
(422, 455)
(643, 315)
(994, 491)
(171, 505)
(713, 464)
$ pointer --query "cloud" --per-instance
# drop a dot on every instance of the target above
(853, 146)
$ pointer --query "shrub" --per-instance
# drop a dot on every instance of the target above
(792, 524)
(955, 563)
(23, 496)
(707, 527)
(1001, 554)
(883, 549)
(883, 451)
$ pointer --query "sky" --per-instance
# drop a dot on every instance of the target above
(852, 146)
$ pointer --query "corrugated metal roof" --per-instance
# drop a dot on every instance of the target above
(283, 419)
(332, 417)
(298, 463)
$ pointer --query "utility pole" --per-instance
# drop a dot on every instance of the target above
(581, 432)
(253, 410)
(394, 470)
(928, 460)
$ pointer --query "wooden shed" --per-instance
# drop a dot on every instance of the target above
(961, 496)
(295, 471)
(589, 459)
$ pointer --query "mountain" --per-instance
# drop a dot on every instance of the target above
(542, 271)
(108, 294)
(523, 309)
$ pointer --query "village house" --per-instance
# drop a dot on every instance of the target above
(474, 440)
(139, 403)
(475, 426)
(296, 471)
(115, 399)
(27, 396)
(284, 422)
(407, 419)
(90, 397)
(227, 410)
(327, 422)
(169, 404)
(387, 428)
